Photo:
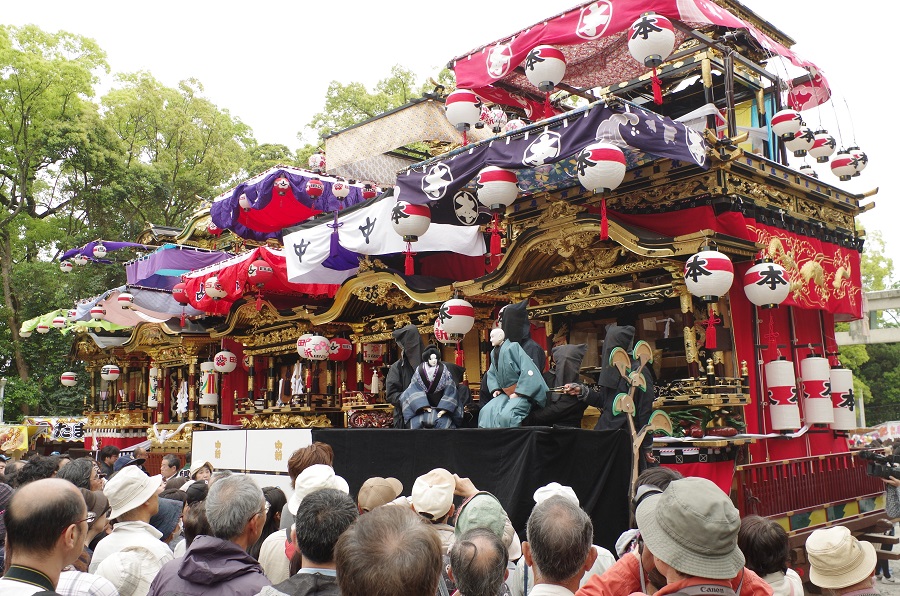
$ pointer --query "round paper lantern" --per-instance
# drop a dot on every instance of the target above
(782, 395)
(842, 400)
(59, 322)
(79, 259)
(225, 361)
(281, 186)
(545, 67)
(125, 300)
(316, 162)
(457, 317)
(651, 40)
(314, 188)
(340, 349)
(25, 334)
(214, 289)
(42, 328)
(213, 230)
(601, 166)
(843, 165)
(410, 221)
(815, 374)
(98, 312)
(766, 284)
(209, 386)
(463, 109)
(496, 187)
(514, 124)
(66, 266)
(708, 275)
(823, 146)
(179, 293)
(441, 334)
(110, 372)
(68, 379)
(496, 118)
(372, 352)
(786, 123)
(369, 191)
(340, 190)
(801, 142)
(862, 160)
(315, 348)
(72, 315)
(303, 343)
(808, 170)
(259, 272)
(244, 202)
(99, 251)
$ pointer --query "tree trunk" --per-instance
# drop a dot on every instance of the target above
(8, 299)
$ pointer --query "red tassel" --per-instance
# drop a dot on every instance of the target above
(410, 266)
(604, 222)
(657, 88)
(182, 318)
(495, 236)
(711, 321)
(465, 138)
(259, 301)
(548, 109)
(460, 357)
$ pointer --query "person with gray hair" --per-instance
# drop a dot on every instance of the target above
(559, 550)
(478, 563)
(220, 564)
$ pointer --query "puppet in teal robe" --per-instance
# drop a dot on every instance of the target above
(520, 382)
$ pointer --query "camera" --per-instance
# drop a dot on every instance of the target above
(881, 466)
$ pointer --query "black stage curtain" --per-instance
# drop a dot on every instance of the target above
(510, 463)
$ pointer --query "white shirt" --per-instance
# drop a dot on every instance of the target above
(785, 584)
(275, 564)
(516, 580)
(131, 533)
(550, 590)
(11, 587)
(77, 583)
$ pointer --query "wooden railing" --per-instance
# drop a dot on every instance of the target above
(780, 487)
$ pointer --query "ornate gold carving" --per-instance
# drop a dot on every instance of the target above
(555, 211)
(120, 419)
(384, 294)
(286, 421)
(276, 336)
(590, 274)
(589, 260)
(595, 288)
(565, 244)
(370, 264)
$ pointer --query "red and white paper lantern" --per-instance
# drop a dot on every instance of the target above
(66, 266)
(824, 145)
(25, 334)
(59, 322)
(125, 299)
(842, 399)
(68, 379)
(545, 67)
(786, 123)
(802, 141)
(179, 293)
(79, 259)
(214, 289)
(225, 361)
(99, 251)
(708, 275)
(410, 221)
(314, 188)
(860, 157)
(463, 109)
(369, 191)
(340, 349)
(766, 284)
(303, 343)
(601, 166)
(72, 315)
(98, 312)
(457, 317)
(110, 372)
(244, 202)
(815, 379)
(496, 187)
(42, 328)
(259, 272)
(808, 170)
(316, 162)
(781, 384)
(441, 334)
(651, 40)
(514, 125)
(340, 190)
(315, 348)
(843, 165)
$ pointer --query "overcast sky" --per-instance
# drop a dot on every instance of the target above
(269, 62)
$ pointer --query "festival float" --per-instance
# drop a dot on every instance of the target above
(613, 164)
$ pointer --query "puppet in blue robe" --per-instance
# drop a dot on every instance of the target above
(520, 381)
(431, 400)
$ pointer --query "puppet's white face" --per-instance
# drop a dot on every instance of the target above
(497, 336)
(432, 360)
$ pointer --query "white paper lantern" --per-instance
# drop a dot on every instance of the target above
(59, 322)
(801, 142)
(786, 123)
(843, 165)
(815, 375)
(125, 300)
(209, 384)
(110, 372)
(153, 388)
(842, 399)
(214, 289)
(808, 170)
(601, 166)
(766, 284)
(68, 379)
(545, 67)
(340, 190)
(98, 312)
(496, 118)
(315, 348)
(42, 328)
(410, 221)
(496, 187)
(860, 157)
(316, 162)
(781, 384)
(441, 334)
(651, 40)
(66, 266)
(225, 361)
(823, 147)
(25, 334)
(514, 125)
(99, 251)
(303, 343)
(463, 109)
(79, 259)
(372, 352)
(244, 202)
(708, 275)
(457, 317)
(72, 315)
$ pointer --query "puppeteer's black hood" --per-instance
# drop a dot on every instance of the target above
(409, 339)
(616, 336)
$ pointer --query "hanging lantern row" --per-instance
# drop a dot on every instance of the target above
(125, 300)
(59, 322)
(788, 126)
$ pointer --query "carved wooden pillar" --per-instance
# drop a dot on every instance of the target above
(125, 398)
(271, 398)
(161, 375)
(93, 372)
(690, 336)
(359, 364)
(192, 388)
(251, 379)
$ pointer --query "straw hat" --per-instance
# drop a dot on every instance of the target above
(837, 559)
